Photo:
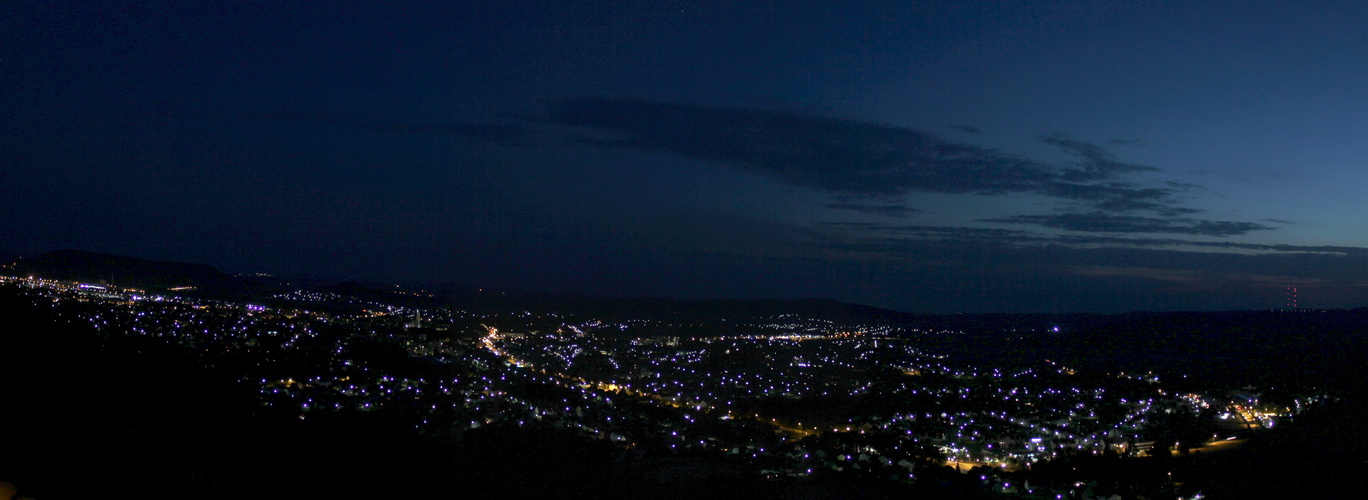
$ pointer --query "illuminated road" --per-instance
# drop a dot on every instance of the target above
(1223, 444)
(966, 465)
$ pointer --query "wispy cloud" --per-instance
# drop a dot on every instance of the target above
(884, 208)
(1108, 223)
(1095, 163)
(1196, 276)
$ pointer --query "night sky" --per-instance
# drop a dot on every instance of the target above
(935, 157)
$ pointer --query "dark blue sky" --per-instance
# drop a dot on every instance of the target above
(923, 156)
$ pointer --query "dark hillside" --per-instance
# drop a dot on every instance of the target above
(94, 267)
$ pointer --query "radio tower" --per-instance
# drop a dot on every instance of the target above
(1291, 297)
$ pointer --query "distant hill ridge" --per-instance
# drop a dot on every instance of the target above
(80, 265)
(685, 310)
(73, 265)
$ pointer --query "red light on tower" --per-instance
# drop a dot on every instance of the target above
(1291, 297)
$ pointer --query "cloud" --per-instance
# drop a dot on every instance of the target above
(863, 163)
(1119, 197)
(1180, 275)
(950, 232)
(1196, 276)
(1185, 186)
(968, 129)
(847, 157)
(841, 157)
(1107, 223)
(894, 234)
